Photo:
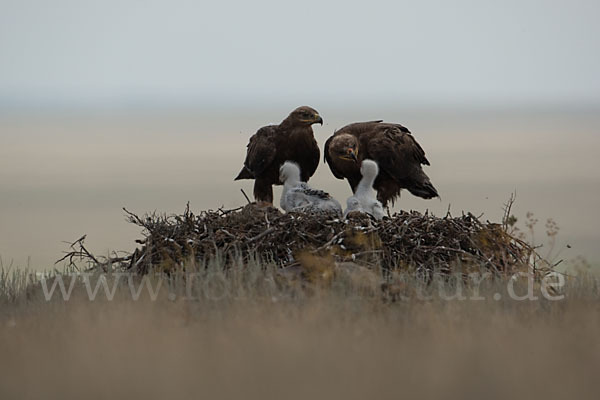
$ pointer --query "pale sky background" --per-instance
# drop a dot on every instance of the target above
(128, 52)
(150, 104)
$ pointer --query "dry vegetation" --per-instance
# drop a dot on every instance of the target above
(406, 240)
(334, 340)
(258, 304)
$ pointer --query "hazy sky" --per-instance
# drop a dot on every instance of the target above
(459, 51)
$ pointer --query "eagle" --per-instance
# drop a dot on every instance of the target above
(298, 196)
(364, 200)
(272, 145)
(392, 147)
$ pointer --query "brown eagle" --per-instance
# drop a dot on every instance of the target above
(291, 140)
(395, 150)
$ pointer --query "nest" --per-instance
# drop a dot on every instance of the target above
(404, 240)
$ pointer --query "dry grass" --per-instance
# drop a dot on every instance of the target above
(340, 311)
(333, 336)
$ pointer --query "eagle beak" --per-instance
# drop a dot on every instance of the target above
(352, 155)
(318, 119)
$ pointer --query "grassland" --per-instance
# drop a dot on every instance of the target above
(248, 334)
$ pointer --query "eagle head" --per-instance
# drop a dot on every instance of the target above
(344, 147)
(306, 116)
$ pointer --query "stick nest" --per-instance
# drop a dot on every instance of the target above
(406, 240)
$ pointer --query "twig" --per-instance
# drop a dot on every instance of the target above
(329, 242)
(508, 209)
(81, 252)
(260, 235)
(134, 217)
(225, 212)
(246, 196)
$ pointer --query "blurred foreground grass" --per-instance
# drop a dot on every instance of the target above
(249, 333)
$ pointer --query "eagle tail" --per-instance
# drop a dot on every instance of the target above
(263, 191)
(245, 173)
(424, 189)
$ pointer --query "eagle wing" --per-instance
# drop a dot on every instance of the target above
(261, 150)
(311, 163)
(356, 128)
(396, 151)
